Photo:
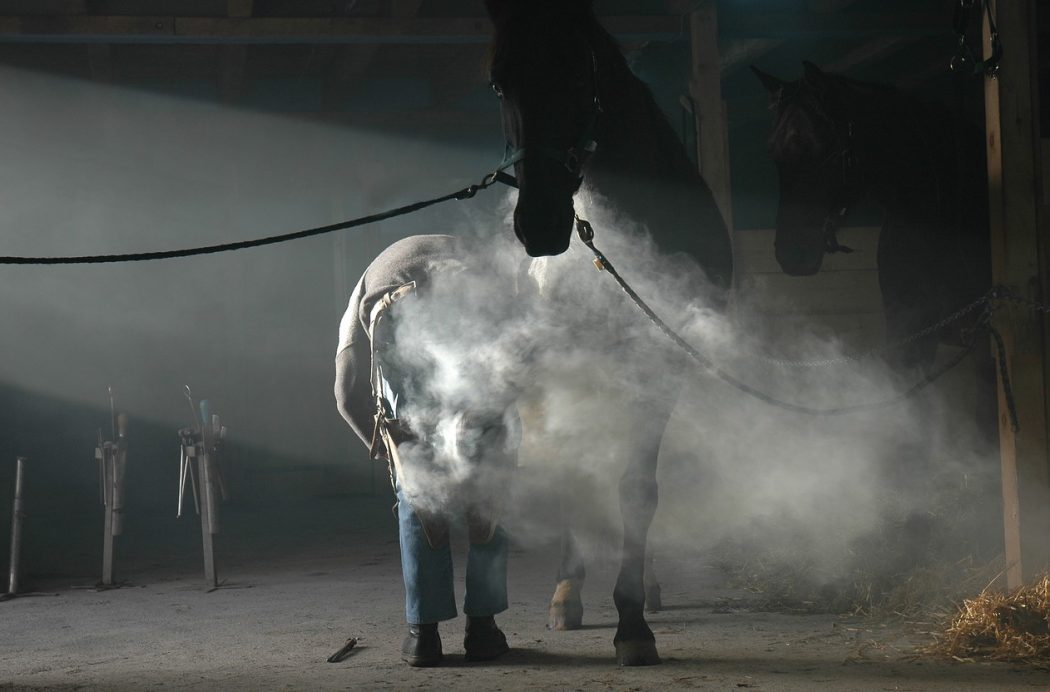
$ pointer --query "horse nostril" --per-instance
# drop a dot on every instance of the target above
(544, 230)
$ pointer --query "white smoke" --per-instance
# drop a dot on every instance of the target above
(585, 368)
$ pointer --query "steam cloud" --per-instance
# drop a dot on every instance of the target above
(583, 363)
(137, 171)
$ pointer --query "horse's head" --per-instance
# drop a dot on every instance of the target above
(545, 72)
(812, 145)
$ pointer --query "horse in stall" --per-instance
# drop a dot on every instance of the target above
(577, 120)
(836, 140)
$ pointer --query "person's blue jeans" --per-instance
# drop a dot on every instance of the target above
(429, 591)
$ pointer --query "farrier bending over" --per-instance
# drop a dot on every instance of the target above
(450, 441)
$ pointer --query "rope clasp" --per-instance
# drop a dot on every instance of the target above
(584, 230)
(586, 233)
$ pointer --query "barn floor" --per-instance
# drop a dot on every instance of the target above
(293, 597)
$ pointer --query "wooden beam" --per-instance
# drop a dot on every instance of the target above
(304, 30)
(706, 91)
(1019, 261)
(42, 27)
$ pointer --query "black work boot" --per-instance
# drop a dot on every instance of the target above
(484, 641)
(422, 646)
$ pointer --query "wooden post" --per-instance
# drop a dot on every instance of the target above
(706, 90)
(1011, 114)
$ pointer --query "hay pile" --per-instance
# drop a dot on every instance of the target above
(1001, 627)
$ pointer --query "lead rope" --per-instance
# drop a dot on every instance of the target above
(586, 233)
(497, 176)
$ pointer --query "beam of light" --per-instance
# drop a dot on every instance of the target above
(91, 168)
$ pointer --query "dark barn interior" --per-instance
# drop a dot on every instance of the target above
(135, 127)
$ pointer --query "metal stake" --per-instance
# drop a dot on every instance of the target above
(201, 444)
(209, 519)
(114, 464)
(17, 516)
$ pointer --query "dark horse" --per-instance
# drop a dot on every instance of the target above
(576, 117)
(835, 140)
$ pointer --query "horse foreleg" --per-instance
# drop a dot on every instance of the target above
(567, 606)
(566, 611)
(634, 641)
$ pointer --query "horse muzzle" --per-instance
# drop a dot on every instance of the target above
(799, 260)
(544, 233)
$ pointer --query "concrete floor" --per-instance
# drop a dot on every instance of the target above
(292, 598)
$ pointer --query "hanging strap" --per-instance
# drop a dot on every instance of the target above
(383, 412)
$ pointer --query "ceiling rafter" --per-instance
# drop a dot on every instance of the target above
(278, 30)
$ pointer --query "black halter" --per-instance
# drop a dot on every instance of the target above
(572, 158)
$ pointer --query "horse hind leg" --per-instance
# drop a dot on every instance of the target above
(634, 641)
(566, 609)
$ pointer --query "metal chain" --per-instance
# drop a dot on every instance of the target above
(991, 302)
(878, 350)
(1006, 295)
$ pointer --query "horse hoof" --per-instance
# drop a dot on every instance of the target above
(637, 653)
(566, 616)
(566, 611)
(653, 602)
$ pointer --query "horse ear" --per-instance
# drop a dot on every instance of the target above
(812, 73)
(772, 84)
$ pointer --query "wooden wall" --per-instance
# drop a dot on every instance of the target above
(841, 301)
